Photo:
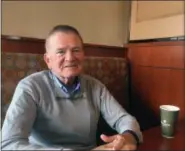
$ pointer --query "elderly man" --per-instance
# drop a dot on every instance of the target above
(58, 109)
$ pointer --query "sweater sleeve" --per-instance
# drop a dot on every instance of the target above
(116, 116)
(19, 120)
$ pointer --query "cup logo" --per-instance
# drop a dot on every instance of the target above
(164, 123)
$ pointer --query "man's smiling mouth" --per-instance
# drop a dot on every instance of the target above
(71, 66)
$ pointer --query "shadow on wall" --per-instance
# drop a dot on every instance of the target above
(142, 112)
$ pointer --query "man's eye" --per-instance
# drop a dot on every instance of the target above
(61, 52)
(76, 50)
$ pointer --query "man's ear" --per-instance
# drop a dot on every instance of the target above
(47, 60)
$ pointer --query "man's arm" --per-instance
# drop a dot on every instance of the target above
(118, 118)
(19, 120)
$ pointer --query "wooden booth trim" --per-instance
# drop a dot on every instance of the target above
(18, 44)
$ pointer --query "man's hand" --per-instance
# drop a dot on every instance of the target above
(119, 142)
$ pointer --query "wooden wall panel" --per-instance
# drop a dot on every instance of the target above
(159, 56)
(23, 46)
(167, 56)
(33, 45)
(161, 86)
(157, 77)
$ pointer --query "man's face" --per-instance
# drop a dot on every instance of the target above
(64, 54)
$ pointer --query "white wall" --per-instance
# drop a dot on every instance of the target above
(156, 19)
(99, 22)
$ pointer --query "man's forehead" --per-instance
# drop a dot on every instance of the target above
(63, 39)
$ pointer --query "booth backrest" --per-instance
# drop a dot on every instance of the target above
(109, 70)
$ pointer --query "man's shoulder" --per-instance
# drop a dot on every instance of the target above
(36, 77)
(91, 80)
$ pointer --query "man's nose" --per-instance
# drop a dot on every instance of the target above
(69, 55)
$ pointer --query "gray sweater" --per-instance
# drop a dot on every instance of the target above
(42, 117)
